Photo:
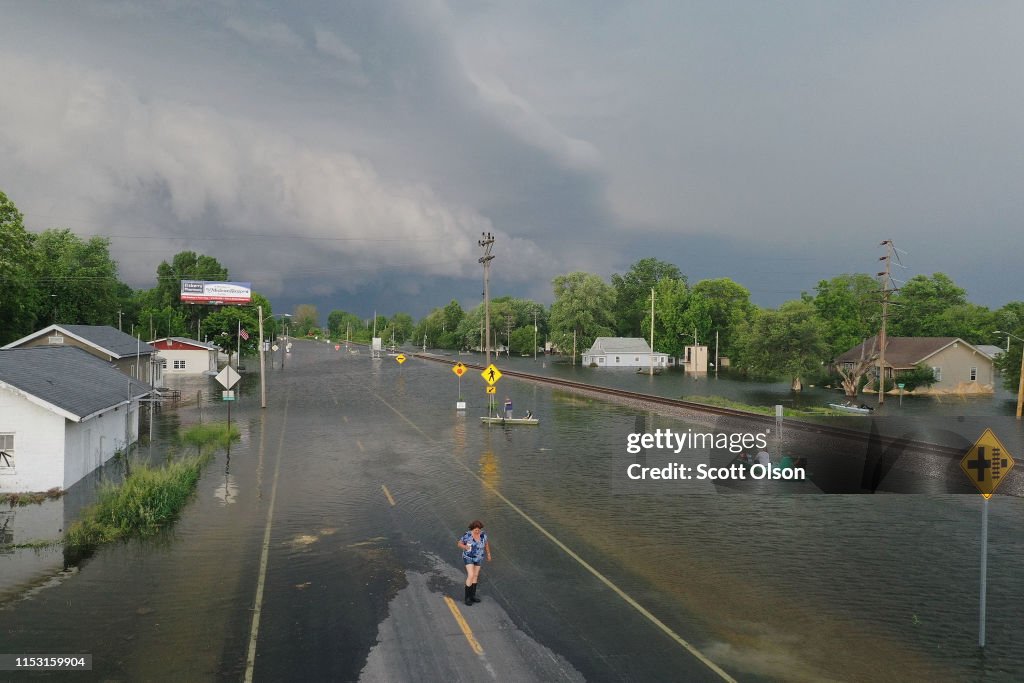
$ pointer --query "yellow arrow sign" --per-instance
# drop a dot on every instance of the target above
(492, 390)
(459, 369)
(491, 375)
(986, 463)
(400, 358)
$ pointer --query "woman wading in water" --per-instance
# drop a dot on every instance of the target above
(474, 546)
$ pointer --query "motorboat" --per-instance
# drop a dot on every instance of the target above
(510, 420)
(847, 407)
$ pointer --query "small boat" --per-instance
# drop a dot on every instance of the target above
(510, 420)
(850, 408)
(647, 371)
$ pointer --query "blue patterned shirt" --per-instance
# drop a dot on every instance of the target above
(476, 550)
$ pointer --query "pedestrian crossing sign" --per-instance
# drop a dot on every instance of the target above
(986, 463)
(492, 390)
(491, 374)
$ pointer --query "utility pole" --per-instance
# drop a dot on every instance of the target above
(887, 289)
(119, 320)
(508, 334)
(652, 333)
(534, 335)
(263, 365)
(574, 347)
(487, 242)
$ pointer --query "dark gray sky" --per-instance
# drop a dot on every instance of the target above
(350, 154)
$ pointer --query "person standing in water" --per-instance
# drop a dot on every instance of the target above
(474, 546)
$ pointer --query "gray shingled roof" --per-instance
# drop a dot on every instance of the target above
(620, 345)
(901, 352)
(69, 378)
(115, 342)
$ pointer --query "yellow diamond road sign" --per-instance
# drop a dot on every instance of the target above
(986, 463)
(400, 358)
(459, 369)
(491, 374)
(492, 390)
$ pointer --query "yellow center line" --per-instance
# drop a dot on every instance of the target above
(586, 565)
(388, 494)
(345, 418)
(466, 630)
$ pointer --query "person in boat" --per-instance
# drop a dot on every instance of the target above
(529, 414)
(474, 546)
(763, 458)
(508, 408)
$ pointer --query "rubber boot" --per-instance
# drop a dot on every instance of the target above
(469, 595)
(472, 593)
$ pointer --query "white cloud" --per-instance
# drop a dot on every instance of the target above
(331, 45)
(86, 144)
(273, 34)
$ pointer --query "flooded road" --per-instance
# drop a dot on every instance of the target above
(323, 548)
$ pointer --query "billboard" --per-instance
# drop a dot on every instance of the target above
(203, 292)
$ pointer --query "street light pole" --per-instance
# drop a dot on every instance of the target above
(1020, 384)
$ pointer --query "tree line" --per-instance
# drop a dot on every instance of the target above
(58, 277)
(797, 340)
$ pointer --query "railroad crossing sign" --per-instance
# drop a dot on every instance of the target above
(400, 358)
(492, 390)
(986, 463)
(228, 377)
(491, 375)
(459, 369)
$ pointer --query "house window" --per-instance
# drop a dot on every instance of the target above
(636, 359)
(163, 363)
(6, 451)
(937, 374)
(974, 374)
(616, 359)
(179, 365)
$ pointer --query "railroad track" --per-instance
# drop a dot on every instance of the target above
(680, 404)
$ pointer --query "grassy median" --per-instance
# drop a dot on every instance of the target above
(147, 500)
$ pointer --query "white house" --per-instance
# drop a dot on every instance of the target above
(623, 352)
(63, 413)
(181, 356)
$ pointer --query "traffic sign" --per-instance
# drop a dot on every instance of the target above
(400, 358)
(228, 395)
(459, 369)
(337, 347)
(492, 390)
(275, 347)
(986, 463)
(491, 375)
(228, 377)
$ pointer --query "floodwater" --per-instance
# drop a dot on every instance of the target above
(769, 587)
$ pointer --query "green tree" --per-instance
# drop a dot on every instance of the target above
(76, 279)
(850, 307)
(672, 321)
(633, 293)
(787, 342)
(728, 306)
(583, 305)
(18, 302)
(305, 319)
(970, 322)
(340, 323)
(921, 303)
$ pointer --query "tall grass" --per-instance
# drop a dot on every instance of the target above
(146, 501)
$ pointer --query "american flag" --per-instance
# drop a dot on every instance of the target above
(243, 334)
